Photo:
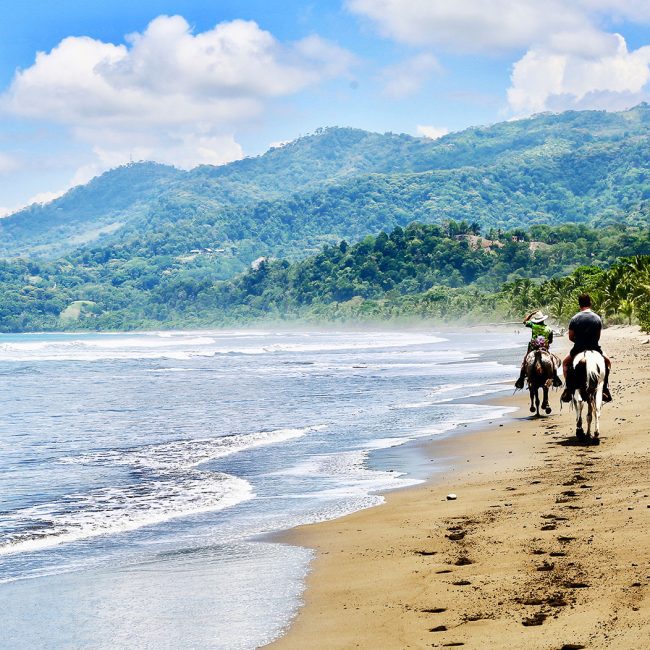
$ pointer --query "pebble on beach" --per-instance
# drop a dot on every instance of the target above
(451, 497)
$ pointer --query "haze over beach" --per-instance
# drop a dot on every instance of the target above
(263, 272)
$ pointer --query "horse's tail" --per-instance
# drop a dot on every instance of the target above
(589, 372)
(594, 370)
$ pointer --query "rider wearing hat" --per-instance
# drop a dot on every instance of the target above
(541, 338)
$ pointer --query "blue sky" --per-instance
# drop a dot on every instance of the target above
(86, 86)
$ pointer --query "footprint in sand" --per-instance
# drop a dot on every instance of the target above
(456, 536)
(536, 619)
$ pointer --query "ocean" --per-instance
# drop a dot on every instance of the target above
(143, 475)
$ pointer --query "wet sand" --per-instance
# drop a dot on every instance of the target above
(546, 546)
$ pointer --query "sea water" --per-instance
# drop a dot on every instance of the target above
(141, 474)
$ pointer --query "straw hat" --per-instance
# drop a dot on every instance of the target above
(538, 317)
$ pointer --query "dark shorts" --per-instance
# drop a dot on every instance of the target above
(577, 349)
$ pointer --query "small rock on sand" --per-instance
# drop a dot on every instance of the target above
(451, 497)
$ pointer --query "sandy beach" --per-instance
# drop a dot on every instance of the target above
(546, 545)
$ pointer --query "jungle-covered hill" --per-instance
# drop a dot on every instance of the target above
(450, 272)
(587, 167)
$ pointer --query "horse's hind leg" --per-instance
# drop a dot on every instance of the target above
(545, 405)
(598, 402)
(533, 395)
(579, 430)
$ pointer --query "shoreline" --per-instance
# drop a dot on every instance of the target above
(545, 546)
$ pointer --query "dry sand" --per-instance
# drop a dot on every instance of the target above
(546, 546)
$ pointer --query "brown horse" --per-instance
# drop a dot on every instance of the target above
(541, 366)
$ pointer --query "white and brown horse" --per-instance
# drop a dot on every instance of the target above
(588, 381)
(541, 366)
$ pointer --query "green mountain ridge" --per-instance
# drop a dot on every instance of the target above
(584, 167)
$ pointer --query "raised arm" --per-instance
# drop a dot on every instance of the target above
(527, 318)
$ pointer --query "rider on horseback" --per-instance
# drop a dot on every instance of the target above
(584, 333)
(541, 338)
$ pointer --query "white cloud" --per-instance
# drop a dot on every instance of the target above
(168, 94)
(608, 76)
(470, 25)
(570, 60)
(279, 144)
(492, 25)
(432, 132)
(46, 197)
(7, 163)
(406, 77)
(633, 10)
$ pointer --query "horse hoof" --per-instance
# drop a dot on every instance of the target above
(595, 441)
(548, 410)
(580, 434)
(532, 409)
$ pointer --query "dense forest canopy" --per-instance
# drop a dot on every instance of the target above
(586, 167)
(94, 289)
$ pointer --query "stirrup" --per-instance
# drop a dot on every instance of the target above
(519, 384)
(567, 395)
(557, 382)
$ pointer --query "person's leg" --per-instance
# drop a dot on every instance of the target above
(557, 382)
(565, 366)
(566, 369)
(519, 384)
(607, 396)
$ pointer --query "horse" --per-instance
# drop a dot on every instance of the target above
(540, 370)
(588, 381)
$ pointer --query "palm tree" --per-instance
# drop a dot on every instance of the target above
(559, 298)
(626, 308)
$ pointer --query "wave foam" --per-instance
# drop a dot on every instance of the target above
(121, 509)
(170, 487)
(185, 345)
(182, 454)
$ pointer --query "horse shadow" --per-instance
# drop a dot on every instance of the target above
(575, 442)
